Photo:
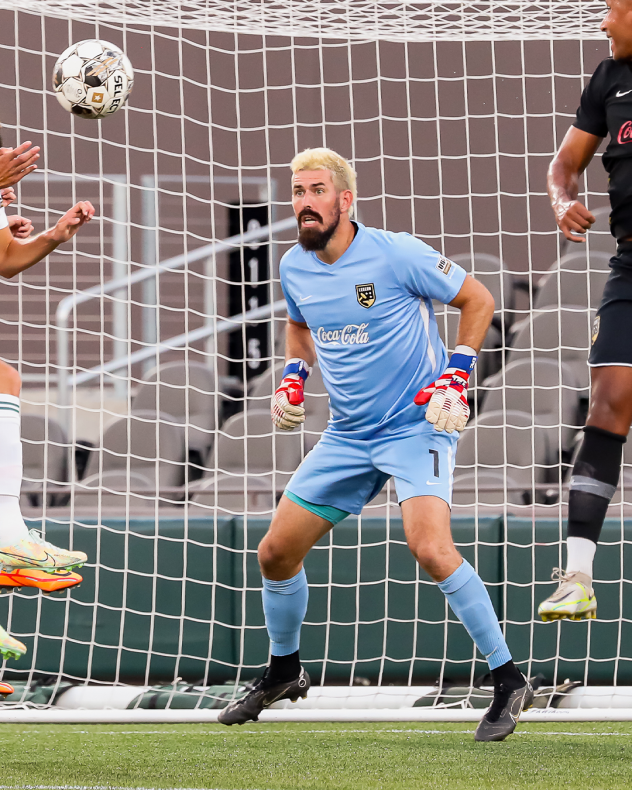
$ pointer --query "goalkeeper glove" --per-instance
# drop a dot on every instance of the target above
(447, 397)
(287, 411)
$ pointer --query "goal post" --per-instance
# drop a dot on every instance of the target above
(149, 348)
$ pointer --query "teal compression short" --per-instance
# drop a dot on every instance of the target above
(332, 514)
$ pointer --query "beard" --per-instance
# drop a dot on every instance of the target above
(313, 240)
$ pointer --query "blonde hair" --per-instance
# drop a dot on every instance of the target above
(342, 174)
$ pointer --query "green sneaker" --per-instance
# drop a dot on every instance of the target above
(10, 647)
(574, 599)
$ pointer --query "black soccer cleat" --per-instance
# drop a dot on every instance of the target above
(502, 716)
(262, 696)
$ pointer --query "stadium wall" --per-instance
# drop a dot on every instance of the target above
(450, 140)
(157, 607)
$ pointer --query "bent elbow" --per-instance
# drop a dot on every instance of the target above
(481, 300)
(489, 303)
(7, 272)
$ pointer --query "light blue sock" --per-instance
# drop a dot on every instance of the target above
(285, 605)
(470, 602)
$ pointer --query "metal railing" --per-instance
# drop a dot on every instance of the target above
(225, 325)
(67, 305)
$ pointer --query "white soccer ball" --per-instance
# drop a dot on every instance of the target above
(92, 79)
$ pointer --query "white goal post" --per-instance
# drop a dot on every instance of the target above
(150, 346)
(356, 20)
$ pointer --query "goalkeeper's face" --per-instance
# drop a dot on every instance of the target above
(617, 25)
(316, 207)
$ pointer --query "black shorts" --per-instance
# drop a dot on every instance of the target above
(611, 337)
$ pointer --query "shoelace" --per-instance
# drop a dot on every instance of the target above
(560, 575)
(258, 686)
(36, 537)
(501, 697)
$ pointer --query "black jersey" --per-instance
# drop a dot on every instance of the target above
(606, 109)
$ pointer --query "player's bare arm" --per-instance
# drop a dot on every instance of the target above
(299, 343)
(477, 310)
(576, 151)
(16, 255)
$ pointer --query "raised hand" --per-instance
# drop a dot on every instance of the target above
(72, 220)
(7, 195)
(20, 227)
(15, 163)
(573, 219)
(448, 409)
(286, 407)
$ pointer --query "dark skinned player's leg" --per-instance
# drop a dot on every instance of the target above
(598, 463)
(593, 483)
(611, 399)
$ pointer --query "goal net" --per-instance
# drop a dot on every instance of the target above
(150, 346)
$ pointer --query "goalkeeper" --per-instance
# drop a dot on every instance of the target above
(360, 301)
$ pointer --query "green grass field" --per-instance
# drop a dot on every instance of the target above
(314, 757)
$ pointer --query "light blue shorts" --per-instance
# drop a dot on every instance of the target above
(347, 473)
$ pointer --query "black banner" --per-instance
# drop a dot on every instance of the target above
(249, 275)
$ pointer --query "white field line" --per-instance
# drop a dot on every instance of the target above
(206, 716)
(362, 732)
(336, 732)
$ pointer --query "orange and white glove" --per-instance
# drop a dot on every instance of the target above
(287, 410)
(447, 396)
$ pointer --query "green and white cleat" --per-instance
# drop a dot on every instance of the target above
(64, 558)
(574, 599)
(35, 552)
(10, 647)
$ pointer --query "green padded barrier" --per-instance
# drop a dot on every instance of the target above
(128, 626)
(181, 696)
(144, 615)
(586, 650)
(126, 621)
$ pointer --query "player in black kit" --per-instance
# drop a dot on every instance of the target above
(605, 110)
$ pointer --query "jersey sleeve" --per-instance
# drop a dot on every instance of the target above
(4, 222)
(591, 114)
(292, 309)
(424, 272)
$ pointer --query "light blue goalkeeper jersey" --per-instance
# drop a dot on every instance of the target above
(371, 317)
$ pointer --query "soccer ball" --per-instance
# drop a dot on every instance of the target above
(92, 79)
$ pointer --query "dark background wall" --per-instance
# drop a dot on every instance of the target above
(451, 141)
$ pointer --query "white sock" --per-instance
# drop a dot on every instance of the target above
(12, 526)
(580, 553)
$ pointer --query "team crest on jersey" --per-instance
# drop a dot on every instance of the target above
(366, 294)
(595, 328)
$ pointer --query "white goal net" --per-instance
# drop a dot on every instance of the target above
(149, 347)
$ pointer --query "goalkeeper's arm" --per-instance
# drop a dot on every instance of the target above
(287, 402)
(447, 396)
